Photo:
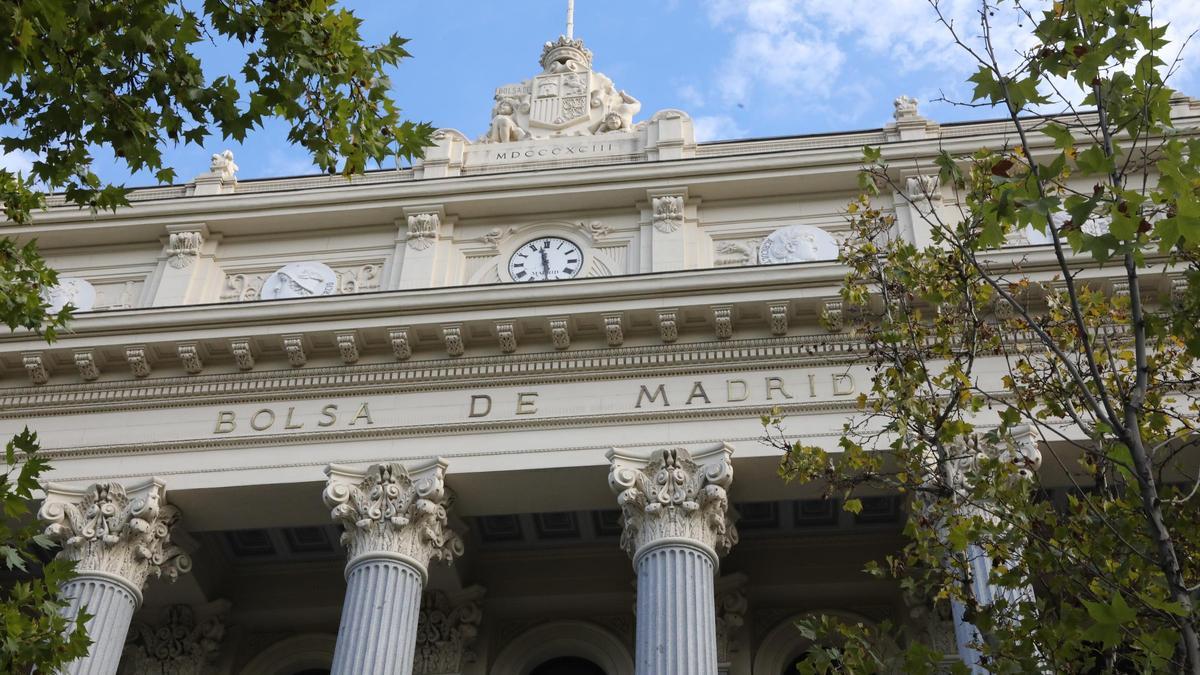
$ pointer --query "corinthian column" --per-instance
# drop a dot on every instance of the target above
(674, 511)
(394, 523)
(118, 538)
(1019, 449)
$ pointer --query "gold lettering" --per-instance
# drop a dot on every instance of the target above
(776, 384)
(364, 413)
(697, 392)
(480, 398)
(225, 417)
(843, 384)
(525, 403)
(652, 398)
(740, 396)
(263, 427)
(329, 412)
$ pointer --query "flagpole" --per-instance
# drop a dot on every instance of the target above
(570, 19)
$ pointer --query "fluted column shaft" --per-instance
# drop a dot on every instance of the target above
(676, 611)
(394, 523)
(118, 537)
(111, 602)
(378, 632)
(676, 525)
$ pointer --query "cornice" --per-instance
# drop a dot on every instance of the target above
(694, 358)
(755, 164)
(386, 308)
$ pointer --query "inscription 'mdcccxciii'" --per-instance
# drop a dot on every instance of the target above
(554, 151)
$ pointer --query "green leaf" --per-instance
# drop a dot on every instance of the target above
(853, 506)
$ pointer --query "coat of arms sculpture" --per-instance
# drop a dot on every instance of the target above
(567, 98)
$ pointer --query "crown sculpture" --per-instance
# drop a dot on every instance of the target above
(567, 99)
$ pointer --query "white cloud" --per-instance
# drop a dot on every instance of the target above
(782, 63)
(18, 161)
(717, 128)
(807, 51)
(691, 96)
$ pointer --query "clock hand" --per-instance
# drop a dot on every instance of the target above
(545, 265)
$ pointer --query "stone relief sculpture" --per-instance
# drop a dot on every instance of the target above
(567, 98)
(222, 165)
(183, 248)
(620, 116)
(504, 129)
(423, 230)
(905, 106)
(797, 243)
(70, 291)
(299, 280)
(668, 213)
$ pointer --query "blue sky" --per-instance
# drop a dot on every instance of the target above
(741, 68)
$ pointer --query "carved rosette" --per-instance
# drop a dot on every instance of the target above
(670, 496)
(111, 530)
(393, 510)
(667, 213)
(446, 631)
(180, 645)
(423, 230)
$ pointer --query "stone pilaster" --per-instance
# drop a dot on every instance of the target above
(118, 537)
(184, 642)
(394, 524)
(446, 631)
(674, 510)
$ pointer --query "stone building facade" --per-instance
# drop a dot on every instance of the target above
(494, 414)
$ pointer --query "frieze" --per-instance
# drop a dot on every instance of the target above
(746, 396)
(247, 286)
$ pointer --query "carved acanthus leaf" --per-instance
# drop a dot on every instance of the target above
(390, 509)
(401, 343)
(614, 331)
(423, 230)
(667, 213)
(183, 248)
(669, 495)
(108, 529)
(85, 361)
(180, 645)
(35, 367)
(446, 631)
(668, 326)
(189, 356)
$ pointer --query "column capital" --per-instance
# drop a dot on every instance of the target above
(672, 495)
(393, 510)
(116, 531)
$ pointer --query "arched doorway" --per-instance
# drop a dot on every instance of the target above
(567, 665)
(556, 647)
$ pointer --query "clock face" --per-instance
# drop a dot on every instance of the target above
(546, 259)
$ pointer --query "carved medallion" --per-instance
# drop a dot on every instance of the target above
(797, 243)
(300, 280)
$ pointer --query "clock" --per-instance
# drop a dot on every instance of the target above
(546, 259)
